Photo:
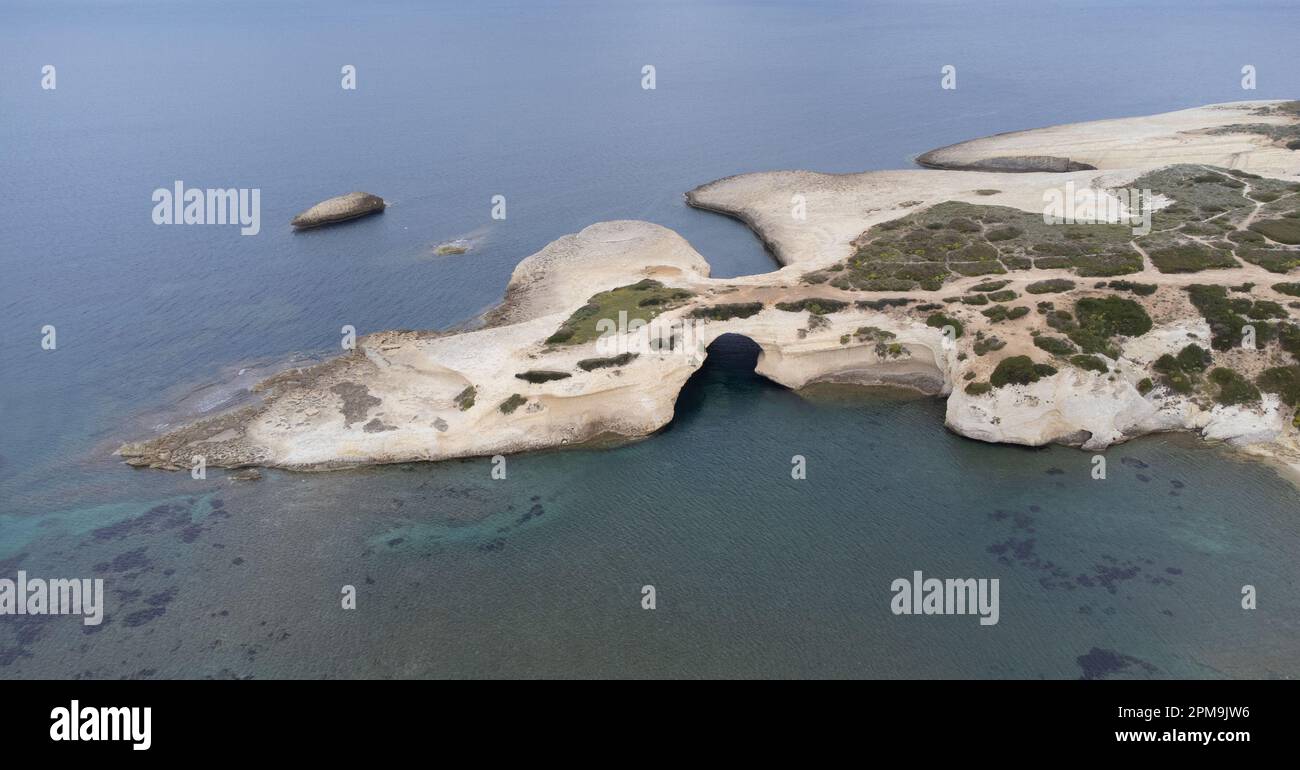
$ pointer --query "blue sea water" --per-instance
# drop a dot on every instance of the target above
(756, 574)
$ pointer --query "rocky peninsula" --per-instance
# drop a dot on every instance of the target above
(945, 280)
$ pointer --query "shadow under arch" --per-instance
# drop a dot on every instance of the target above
(729, 366)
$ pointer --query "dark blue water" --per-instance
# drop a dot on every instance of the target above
(757, 574)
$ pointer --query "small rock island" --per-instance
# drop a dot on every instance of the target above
(340, 208)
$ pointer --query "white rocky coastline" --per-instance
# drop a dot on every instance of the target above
(400, 396)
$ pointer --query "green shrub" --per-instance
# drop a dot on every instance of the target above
(1178, 372)
(1224, 316)
(537, 376)
(465, 399)
(1282, 380)
(1233, 388)
(939, 320)
(1061, 321)
(1145, 386)
(975, 299)
(727, 311)
(988, 345)
(881, 304)
(1293, 289)
(1050, 286)
(1140, 289)
(999, 313)
(1166, 364)
(1006, 295)
(1019, 370)
(1178, 381)
(1057, 346)
(1193, 358)
(1100, 318)
(978, 388)
(873, 334)
(815, 305)
(1112, 315)
(1264, 309)
(1090, 363)
(511, 404)
(591, 364)
(987, 286)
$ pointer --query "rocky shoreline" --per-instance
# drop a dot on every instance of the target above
(860, 299)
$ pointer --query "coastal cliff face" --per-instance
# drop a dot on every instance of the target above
(943, 281)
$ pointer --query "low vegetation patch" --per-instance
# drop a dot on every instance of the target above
(511, 404)
(988, 345)
(591, 364)
(727, 311)
(1227, 315)
(1190, 257)
(873, 334)
(886, 302)
(939, 321)
(815, 305)
(537, 376)
(1050, 286)
(1180, 372)
(1057, 346)
(1140, 289)
(1233, 388)
(1281, 230)
(465, 399)
(999, 313)
(1019, 370)
(641, 301)
(1282, 380)
(1193, 358)
(1098, 319)
(1089, 363)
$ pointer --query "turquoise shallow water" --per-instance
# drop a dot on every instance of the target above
(459, 575)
